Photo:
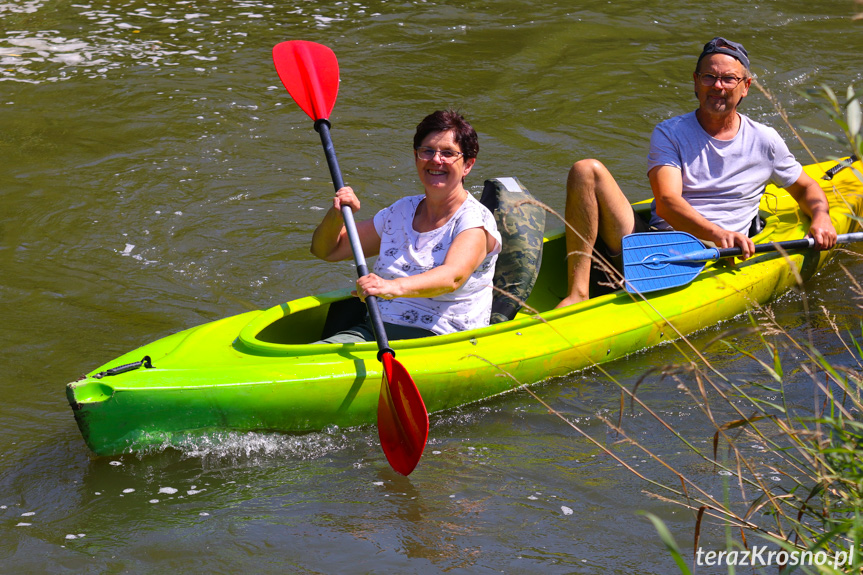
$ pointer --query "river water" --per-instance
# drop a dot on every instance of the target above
(155, 175)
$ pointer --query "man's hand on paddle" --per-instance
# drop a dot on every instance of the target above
(822, 231)
(727, 239)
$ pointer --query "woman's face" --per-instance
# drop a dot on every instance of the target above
(439, 173)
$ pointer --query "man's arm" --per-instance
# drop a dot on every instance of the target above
(814, 204)
(667, 185)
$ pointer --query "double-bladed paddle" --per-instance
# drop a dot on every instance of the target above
(310, 72)
(661, 260)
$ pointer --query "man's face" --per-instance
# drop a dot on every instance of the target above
(722, 95)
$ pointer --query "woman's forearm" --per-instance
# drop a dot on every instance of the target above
(328, 236)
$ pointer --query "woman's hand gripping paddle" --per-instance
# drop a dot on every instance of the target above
(661, 260)
(310, 72)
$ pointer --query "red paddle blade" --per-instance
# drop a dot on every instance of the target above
(403, 422)
(310, 72)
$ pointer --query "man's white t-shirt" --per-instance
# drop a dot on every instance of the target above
(722, 179)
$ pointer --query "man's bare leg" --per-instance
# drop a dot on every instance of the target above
(595, 207)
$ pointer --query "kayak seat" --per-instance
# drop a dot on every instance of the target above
(521, 224)
(343, 314)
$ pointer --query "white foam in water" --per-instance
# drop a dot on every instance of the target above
(109, 38)
(168, 490)
(128, 490)
(28, 514)
(253, 446)
(566, 510)
(325, 21)
(28, 7)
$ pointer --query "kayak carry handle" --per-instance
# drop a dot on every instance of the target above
(146, 363)
(846, 163)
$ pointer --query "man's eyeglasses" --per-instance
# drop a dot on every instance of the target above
(727, 81)
(446, 156)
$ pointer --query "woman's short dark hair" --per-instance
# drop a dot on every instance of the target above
(444, 121)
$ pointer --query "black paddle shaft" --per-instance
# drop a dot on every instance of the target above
(323, 128)
(788, 245)
(791, 245)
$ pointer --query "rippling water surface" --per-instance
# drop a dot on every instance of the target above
(154, 175)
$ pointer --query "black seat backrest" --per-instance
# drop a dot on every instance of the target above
(521, 224)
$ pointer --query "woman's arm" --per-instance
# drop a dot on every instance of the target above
(465, 254)
(330, 240)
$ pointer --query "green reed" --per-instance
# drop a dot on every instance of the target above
(816, 511)
(806, 499)
(815, 508)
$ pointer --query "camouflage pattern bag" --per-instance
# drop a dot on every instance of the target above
(521, 225)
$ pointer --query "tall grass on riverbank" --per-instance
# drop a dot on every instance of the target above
(767, 468)
(790, 474)
(813, 502)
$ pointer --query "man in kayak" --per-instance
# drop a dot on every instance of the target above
(707, 169)
(437, 250)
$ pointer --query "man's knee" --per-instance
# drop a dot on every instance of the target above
(584, 180)
(588, 169)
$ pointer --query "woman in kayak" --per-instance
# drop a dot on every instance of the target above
(436, 251)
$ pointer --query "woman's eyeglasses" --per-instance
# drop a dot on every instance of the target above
(446, 156)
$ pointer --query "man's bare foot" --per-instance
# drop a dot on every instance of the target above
(570, 300)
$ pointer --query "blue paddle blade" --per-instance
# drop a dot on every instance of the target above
(652, 262)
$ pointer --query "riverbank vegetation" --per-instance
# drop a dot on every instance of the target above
(793, 470)
(773, 483)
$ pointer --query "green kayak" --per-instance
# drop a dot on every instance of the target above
(257, 371)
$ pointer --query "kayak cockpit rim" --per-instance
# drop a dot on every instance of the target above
(248, 337)
(310, 312)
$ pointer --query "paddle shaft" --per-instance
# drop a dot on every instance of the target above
(323, 128)
(789, 245)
